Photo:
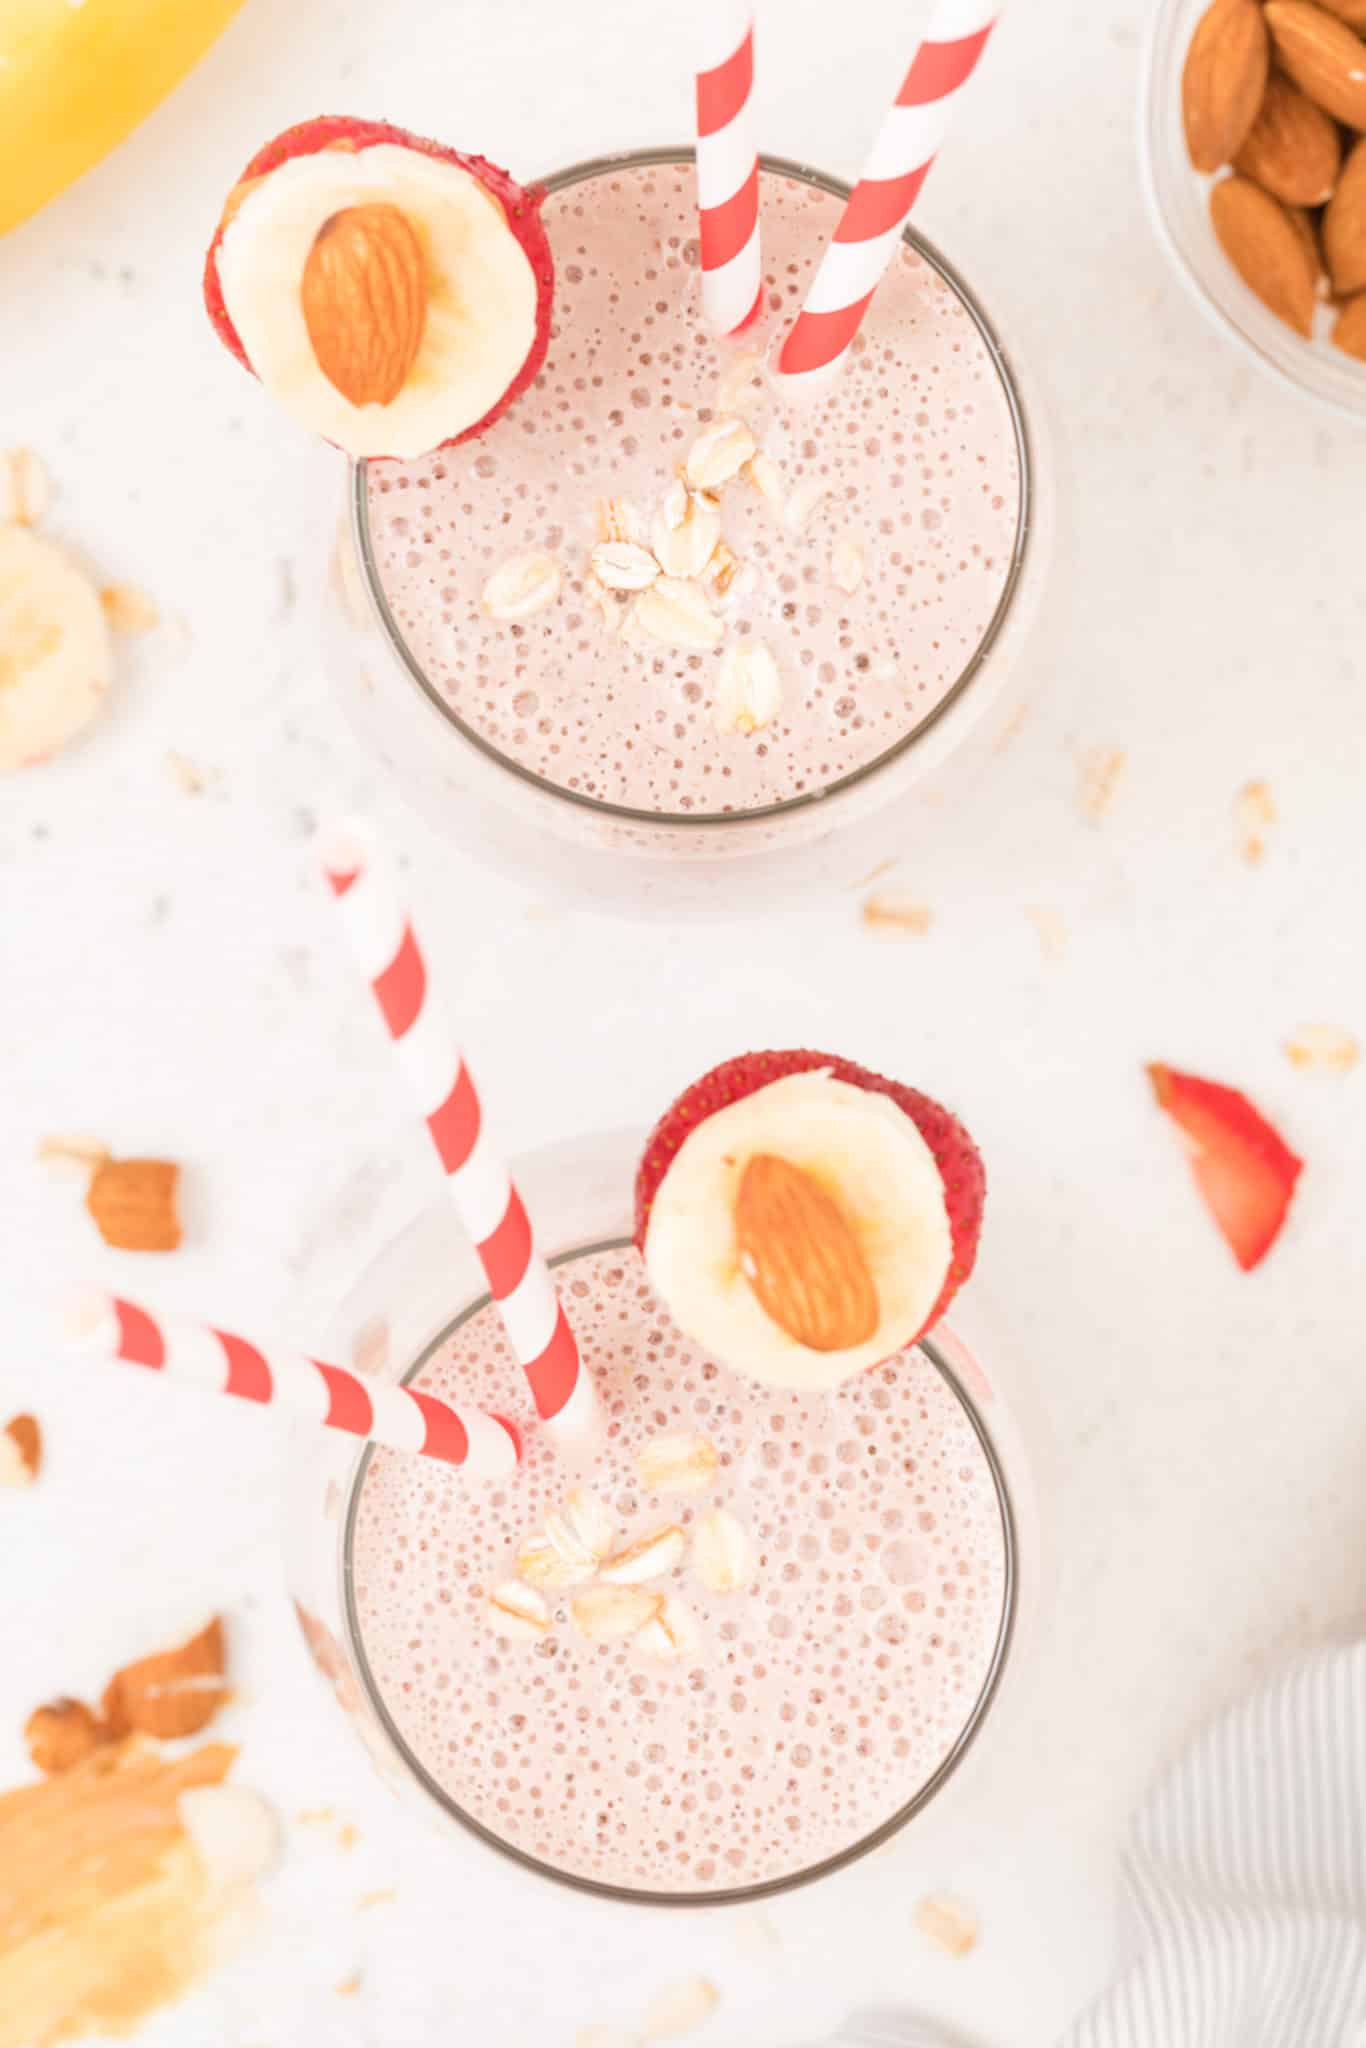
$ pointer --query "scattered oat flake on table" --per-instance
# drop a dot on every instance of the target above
(21, 1451)
(897, 916)
(679, 2008)
(349, 1986)
(1101, 769)
(385, 1896)
(1254, 813)
(947, 1923)
(1050, 928)
(25, 487)
(755, 1934)
(1323, 1049)
(72, 1158)
(128, 609)
(184, 774)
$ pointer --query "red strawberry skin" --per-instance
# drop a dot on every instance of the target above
(521, 205)
(1243, 1167)
(959, 1161)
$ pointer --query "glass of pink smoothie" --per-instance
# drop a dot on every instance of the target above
(889, 553)
(814, 1711)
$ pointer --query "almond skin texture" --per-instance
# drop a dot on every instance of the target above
(1323, 57)
(802, 1258)
(1292, 148)
(1353, 12)
(1266, 248)
(364, 298)
(133, 1202)
(1223, 81)
(1344, 225)
(175, 1693)
(1349, 333)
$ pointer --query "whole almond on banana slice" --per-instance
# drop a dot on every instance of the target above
(650, 1557)
(1223, 81)
(1292, 148)
(364, 300)
(1349, 331)
(175, 1693)
(133, 1202)
(799, 1253)
(1267, 249)
(1323, 57)
(1344, 224)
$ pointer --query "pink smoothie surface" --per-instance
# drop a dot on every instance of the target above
(817, 1702)
(911, 460)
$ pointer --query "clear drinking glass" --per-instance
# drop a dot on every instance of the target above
(1178, 200)
(636, 859)
(400, 1308)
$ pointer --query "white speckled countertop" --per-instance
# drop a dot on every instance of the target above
(169, 982)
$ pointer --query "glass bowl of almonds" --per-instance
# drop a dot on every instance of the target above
(1253, 140)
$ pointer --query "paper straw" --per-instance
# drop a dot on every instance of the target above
(484, 1446)
(878, 207)
(488, 1205)
(727, 167)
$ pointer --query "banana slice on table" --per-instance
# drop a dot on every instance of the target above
(55, 658)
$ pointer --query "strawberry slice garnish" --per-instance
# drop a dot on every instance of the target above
(1242, 1166)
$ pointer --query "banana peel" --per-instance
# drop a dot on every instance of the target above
(77, 75)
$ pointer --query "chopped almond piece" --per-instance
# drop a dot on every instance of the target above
(1051, 930)
(21, 1451)
(174, 1693)
(133, 1202)
(679, 2008)
(61, 1735)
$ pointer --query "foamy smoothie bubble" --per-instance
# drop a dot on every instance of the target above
(810, 1707)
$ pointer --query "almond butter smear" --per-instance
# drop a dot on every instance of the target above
(106, 1910)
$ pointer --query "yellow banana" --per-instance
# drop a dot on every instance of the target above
(76, 75)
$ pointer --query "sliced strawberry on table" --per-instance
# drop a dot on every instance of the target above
(805, 1218)
(392, 295)
(1242, 1166)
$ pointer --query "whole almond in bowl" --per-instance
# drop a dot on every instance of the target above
(1323, 56)
(1344, 224)
(1349, 331)
(1268, 248)
(1223, 81)
(1292, 149)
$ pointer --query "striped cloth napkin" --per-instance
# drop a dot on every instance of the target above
(1244, 1884)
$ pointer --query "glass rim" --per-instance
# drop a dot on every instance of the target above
(735, 1895)
(704, 821)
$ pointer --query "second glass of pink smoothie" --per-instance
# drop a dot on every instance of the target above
(886, 548)
(815, 1708)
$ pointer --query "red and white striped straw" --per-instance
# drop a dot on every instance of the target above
(488, 1205)
(877, 210)
(727, 167)
(485, 1446)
